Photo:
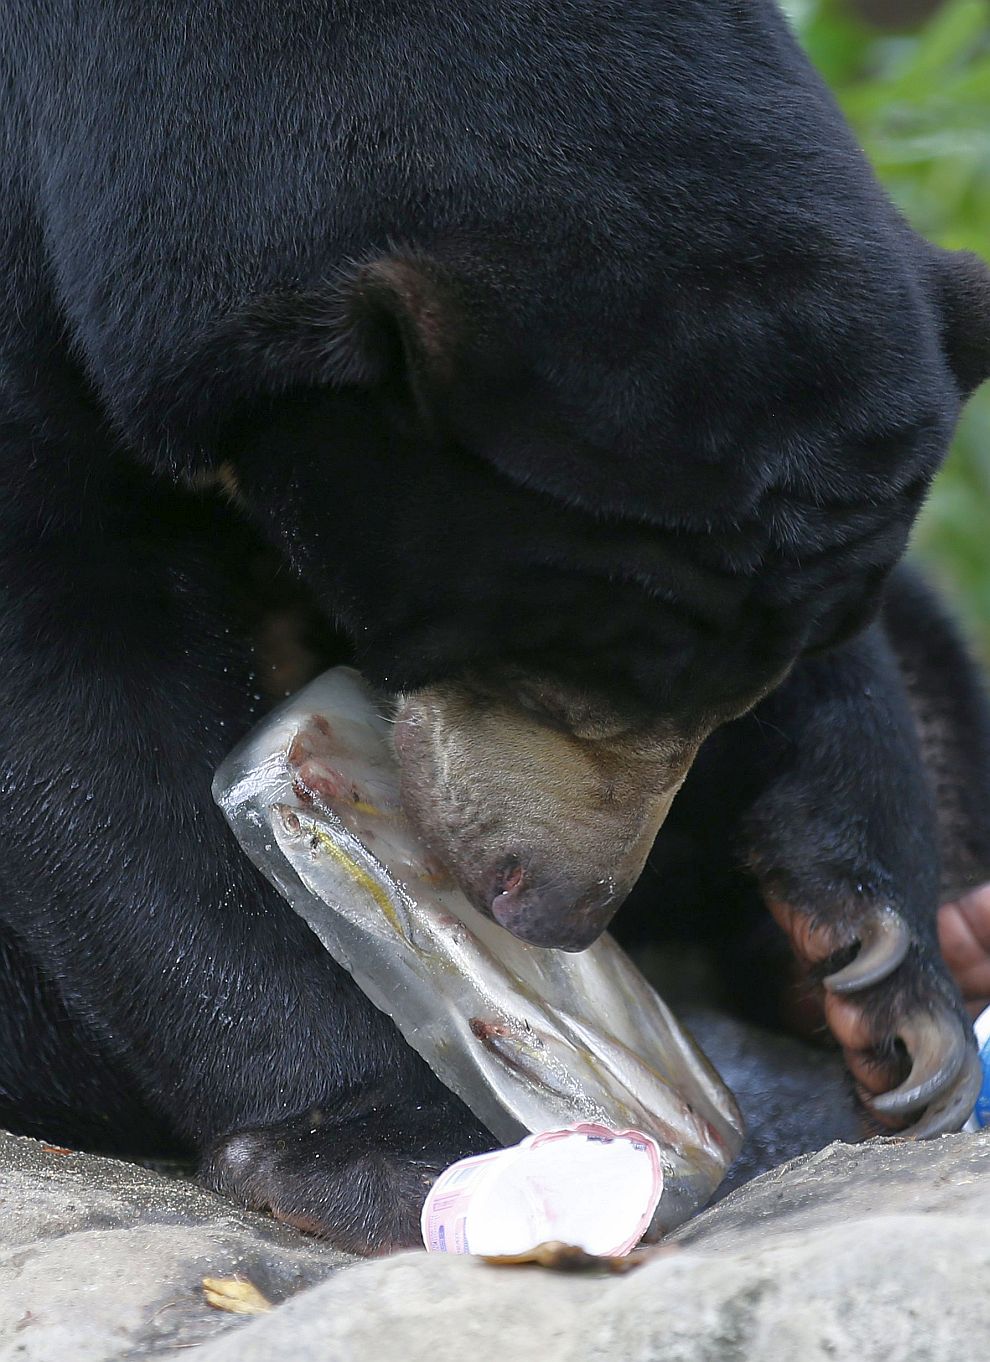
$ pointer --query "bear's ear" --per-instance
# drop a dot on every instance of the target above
(402, 309)
(963, 286)
(389, 319)
(393, 320)
(401, 321)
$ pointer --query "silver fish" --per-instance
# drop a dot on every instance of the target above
(531, 1039)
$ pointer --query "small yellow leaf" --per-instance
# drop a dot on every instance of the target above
(235, 1295)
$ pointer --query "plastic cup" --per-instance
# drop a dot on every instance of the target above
(585, 1185)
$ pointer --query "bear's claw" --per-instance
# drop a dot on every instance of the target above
(891, 992)
(939, 1051)
(951, 1110)
(884, 942)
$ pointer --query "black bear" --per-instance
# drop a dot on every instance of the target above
(570, 354)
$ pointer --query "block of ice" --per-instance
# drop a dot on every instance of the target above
(531, 1039)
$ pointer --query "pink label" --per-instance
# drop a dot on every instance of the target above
(444, 1218)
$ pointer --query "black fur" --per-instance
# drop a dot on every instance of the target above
(572, 334)
(864, 779)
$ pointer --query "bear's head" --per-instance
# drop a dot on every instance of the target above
(575, 528)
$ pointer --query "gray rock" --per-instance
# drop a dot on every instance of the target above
(850, 1255)
(102, 1260)
(854, 1254)
(946, 1179)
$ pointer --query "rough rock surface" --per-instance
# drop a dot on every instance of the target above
(850, 1255)
(101, 1259)
(853, 1254)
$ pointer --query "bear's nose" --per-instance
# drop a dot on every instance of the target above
(544, 911)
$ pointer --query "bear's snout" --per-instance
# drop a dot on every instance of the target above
(555, 913)
(545, 829)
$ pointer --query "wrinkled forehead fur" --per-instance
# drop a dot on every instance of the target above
(664, 405)
(692, 537)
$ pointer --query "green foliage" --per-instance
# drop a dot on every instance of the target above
(919, 102)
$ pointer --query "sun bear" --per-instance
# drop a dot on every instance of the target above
(571, 356)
